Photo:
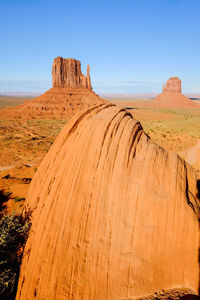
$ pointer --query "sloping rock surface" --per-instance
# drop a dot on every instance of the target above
(114, 216)
(192, 156)
(59, 103)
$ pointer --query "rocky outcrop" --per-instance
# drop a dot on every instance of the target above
(59, 103)
(71, 92)
(66, 72)
(173, 85)
(171, 94)
(192, 156)
(114, 216)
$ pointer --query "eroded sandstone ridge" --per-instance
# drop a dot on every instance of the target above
(171, 94)
(114, 216)
(192, 156)
(71, 92)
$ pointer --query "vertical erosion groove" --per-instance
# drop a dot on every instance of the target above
(112, 215)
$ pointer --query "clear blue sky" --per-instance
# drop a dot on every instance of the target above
(132, 46)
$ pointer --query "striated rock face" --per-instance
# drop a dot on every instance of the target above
(66, 72)
(192, 156)
(171, 94)
(173, 85)
(114, 216)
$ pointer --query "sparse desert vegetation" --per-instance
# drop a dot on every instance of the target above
(23, 144)
(12, 101)
(172, 129)
(26, 141)
(175, 129)
(13, 235)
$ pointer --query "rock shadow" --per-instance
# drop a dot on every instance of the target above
(198, 196)
(190, 297)
(4, 197)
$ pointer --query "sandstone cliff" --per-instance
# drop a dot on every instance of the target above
(114, 216)
(173, 85)
(66, 72)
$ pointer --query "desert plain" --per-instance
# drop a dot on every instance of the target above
(24, 143)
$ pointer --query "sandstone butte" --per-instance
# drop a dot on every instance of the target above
(71, 92)
(172, 96)
(114, 216)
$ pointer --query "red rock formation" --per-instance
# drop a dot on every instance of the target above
(71, 92)
(173, 85)
(171, 94)
(114, 216)
(88, 78)
(192, 156)
(58, 103)
(66, 72)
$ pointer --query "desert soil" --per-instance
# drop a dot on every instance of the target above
(23, 144)
(12, 101)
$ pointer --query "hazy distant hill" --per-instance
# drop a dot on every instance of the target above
(107, 96)
(142, 96)
(20, 94)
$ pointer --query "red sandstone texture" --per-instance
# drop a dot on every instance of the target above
(114, 216)
(192, 156)
(173, 85)
(71, 92)
(67, 73)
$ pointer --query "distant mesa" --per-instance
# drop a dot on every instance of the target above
(172, 93)
(171, 97)
(71, 92)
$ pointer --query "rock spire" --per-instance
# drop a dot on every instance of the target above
(66, 72)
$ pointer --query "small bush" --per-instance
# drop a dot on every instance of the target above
(13, 235)
(18, 199)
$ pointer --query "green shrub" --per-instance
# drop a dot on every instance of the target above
(18, 199)
(13, 235)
